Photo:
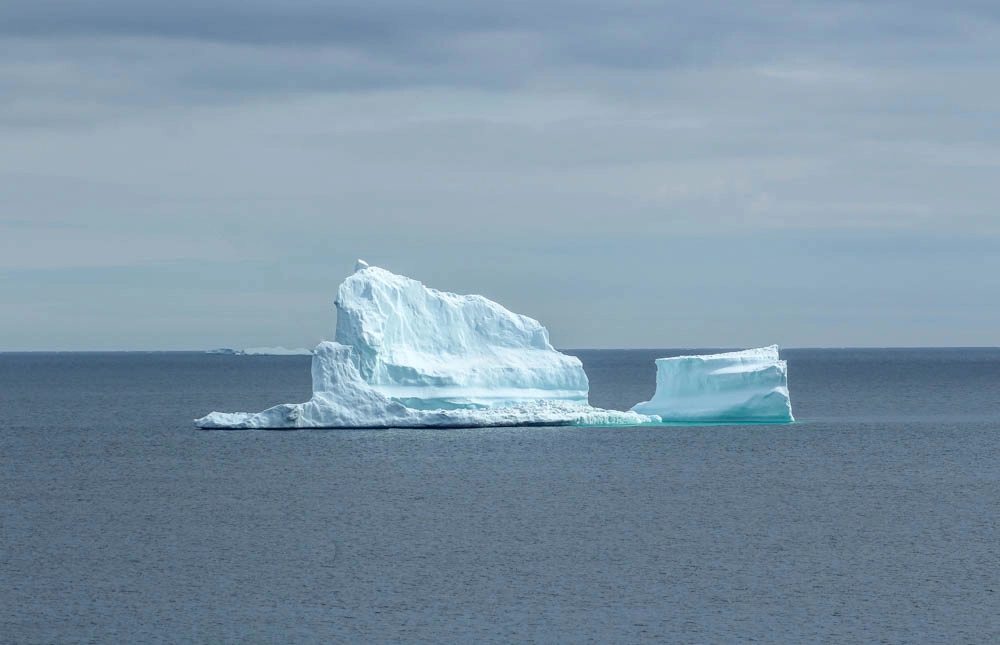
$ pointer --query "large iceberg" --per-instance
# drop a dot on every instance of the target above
(749, 386)
(431, 350)
(408, 356)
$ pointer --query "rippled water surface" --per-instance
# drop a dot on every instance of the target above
(874, 519)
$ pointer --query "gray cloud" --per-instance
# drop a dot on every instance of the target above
(120, 55)
(309, 21)
(627, 172)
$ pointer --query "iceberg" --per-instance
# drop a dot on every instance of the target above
(408, 356)
(276, 351)
(749, 386)
(261, 351)
(429, 349)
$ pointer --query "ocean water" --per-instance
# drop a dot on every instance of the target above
(876, 518)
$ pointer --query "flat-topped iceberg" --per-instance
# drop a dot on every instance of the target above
(409, 356)
(749, 386)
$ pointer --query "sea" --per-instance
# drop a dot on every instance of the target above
(875, 518)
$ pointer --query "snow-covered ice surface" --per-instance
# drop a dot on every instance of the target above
(409, 356)
(749, 386)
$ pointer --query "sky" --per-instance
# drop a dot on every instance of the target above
(638, 173)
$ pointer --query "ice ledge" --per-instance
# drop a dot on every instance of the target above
(311, 415)
(343, 399)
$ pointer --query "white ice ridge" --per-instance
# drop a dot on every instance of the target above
(409, 356)
(749, 386)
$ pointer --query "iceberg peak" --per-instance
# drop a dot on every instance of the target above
(432, 349)
(360, 265)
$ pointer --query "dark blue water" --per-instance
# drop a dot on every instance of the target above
(875, 519)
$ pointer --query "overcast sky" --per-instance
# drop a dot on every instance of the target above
(633, 173)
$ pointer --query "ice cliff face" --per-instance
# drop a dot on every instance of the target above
(431, 350)
(409, 356)
(749, 386)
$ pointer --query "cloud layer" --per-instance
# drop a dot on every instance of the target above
(464, 142)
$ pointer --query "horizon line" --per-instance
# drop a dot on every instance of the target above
(561, 349)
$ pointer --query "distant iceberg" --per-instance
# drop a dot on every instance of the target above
(749, 386)
(408, 356)
(262, 351)
(276, 351)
